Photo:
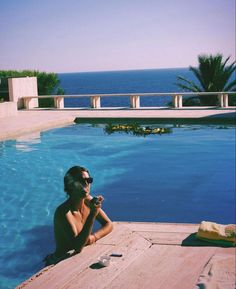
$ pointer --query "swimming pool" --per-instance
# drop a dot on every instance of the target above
(184, 174)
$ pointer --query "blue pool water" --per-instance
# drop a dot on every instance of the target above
(186, 176)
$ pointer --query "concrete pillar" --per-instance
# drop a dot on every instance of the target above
(131, 101)
(95, 101)
(27, 103)
(23, 86)
(134, 101)
(226, 100)
(180, 101)
(59, 102)
(137, 101)
(221, 99)
(177, 101)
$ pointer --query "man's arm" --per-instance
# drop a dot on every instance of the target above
(65, 235)
(106, 227)
(81, 240)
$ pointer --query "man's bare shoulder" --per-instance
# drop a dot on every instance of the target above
(61, 210)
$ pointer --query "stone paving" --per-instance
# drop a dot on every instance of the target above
(28, 121)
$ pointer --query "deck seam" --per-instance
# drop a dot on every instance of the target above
(120, 272)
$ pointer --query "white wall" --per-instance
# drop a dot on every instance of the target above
(8, 109)
(23, 86)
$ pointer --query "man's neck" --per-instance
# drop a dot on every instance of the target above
(76, 205)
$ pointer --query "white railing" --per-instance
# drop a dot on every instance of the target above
(95, 99)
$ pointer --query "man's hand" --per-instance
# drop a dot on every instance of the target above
(95, 204)
(91, 239)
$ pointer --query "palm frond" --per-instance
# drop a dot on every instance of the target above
(231, 86)
(226, 60)
(198, 75)
(212, 74)
(186, 87)
(187, 84)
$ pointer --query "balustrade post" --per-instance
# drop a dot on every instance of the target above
(174, 102)
(177, 101)
(95, 101)
(180, 101)
(137, 101)
(226, 100)
(134, 101)
(59, 102)
(131, 101)
(28, 103)
(221, 99)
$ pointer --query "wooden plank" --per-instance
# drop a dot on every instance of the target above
(162, 227)
(230, 251)
(164, 267)
(119, 234)
(58, 275)
(219, 272)
(164, 238)
(66, 271)
(98, 278)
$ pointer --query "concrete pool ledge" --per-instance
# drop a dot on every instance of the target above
(33, 121)
(28, 121)
(154, 255)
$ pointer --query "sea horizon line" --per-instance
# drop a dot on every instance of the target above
(122, 70)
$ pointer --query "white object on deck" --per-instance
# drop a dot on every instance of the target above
(104, 260)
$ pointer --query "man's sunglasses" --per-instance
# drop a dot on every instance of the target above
(86, 180)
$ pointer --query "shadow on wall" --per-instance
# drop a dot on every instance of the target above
(224, 116)
(26, 261)
(4, 91)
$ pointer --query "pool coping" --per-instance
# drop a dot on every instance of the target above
(35, 120)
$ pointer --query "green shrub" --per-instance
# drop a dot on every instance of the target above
(48, 83)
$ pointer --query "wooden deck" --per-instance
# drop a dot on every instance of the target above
(154, 256)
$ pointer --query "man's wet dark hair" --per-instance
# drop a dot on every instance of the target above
(73, 175)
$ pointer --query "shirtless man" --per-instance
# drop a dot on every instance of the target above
(74, 219)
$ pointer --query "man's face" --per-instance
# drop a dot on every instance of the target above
(86, 181)
(83, 184)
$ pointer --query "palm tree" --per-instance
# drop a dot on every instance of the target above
(212, 75)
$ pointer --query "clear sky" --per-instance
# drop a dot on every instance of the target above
(100, 35)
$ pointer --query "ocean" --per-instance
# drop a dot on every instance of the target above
(132, 81)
